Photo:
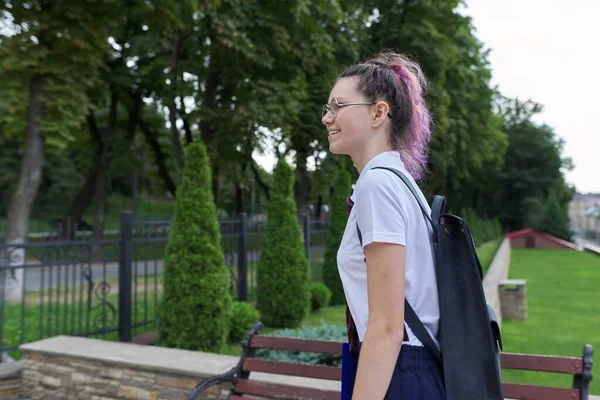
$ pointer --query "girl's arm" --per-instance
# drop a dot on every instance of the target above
(385, 329)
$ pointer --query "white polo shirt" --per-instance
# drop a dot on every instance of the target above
(386, 211)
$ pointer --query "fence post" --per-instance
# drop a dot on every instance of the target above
(306, 225)
(125, 261)
(243, 259)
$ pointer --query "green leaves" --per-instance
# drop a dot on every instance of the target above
(196, 306)
(65, 42)
(554, 221)
(337, 225)
(283, 272)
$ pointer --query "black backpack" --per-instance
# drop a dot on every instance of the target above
(469, 334)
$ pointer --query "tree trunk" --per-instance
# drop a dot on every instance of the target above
(303, 184)
(19, 208)
(175, 139)
(159, 157)
(135, 184)
(84, 197)
(259, 180)
(215, 182)
(239, 191)
(102, 175)
(208, 102)
(100, 214)
(189, 138)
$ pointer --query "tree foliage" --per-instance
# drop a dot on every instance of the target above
(251, 77)
(337, 225)
(283, 273)
(196, 305)
(533, 167)
(554, 221)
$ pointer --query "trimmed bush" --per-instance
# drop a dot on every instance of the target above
(196, 306)
(335, 333)
(283, 275)
(337, 224)
(243, 316)
(320, 295)
(483, 230)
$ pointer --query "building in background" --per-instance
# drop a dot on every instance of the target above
(584, 215)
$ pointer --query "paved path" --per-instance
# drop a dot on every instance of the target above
(71, 273)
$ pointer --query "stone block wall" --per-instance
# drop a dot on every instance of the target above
(76, 368)
(10, 380)
(62, 377)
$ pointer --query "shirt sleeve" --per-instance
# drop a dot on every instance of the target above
(381, 215)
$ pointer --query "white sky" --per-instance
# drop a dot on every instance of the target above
(544, 50)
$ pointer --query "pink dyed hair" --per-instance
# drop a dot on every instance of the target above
(400, 81)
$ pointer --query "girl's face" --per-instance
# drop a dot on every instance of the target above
(348, 123)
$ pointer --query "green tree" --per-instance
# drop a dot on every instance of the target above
(554, 221)
(51, 58)
(283, 273)
(337, 224)
(196, 305)
(532, 166)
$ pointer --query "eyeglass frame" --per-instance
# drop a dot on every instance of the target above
(327, 108)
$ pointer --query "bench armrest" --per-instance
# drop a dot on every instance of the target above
(233, 373)
(215, 380)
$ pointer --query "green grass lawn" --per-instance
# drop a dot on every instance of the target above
(43, 319)
(563, 307)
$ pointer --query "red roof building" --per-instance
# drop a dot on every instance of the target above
(532, 239)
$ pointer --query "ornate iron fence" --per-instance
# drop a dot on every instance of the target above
(111, 288)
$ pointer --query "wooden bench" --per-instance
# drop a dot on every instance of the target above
(242, 384)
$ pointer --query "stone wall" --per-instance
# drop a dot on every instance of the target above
(74, 368)
(10, 380)
(59, 377)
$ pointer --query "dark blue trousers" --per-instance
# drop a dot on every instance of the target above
(417, 376)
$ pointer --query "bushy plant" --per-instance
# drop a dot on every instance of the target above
(482, 229)
(243, 316)
(283, 274)
(334, 333)
(337, 224)
(196, 305)
(320, 295)
(554, 221)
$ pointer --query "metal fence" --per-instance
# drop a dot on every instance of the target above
(111, 288)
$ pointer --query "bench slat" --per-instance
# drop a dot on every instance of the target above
(565, 365)
(293, 369)
(519, 391)
(293, 344)
(278, 391)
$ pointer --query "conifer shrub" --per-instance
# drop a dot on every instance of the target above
(283, 275)
(337, 224)
(195, 309)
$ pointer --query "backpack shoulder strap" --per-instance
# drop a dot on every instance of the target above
(412, 190)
